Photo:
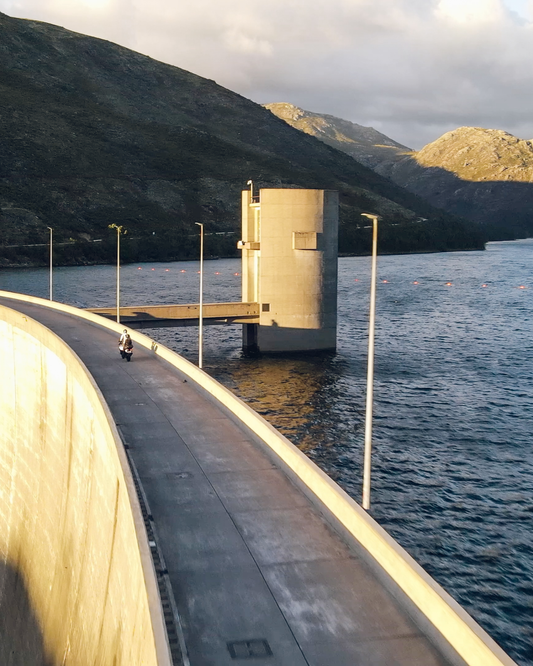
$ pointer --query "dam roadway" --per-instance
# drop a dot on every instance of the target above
(257, 572)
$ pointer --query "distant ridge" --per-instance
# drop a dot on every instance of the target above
(365, 144)
(92, 133)
(478, 154)
(485, 175)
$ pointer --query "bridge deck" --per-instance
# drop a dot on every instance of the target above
(153, 316)
(248, 556)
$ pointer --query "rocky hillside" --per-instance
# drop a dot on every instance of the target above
(481, 174)
(92, 134)
(365, 144)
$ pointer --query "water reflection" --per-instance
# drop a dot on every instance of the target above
(299, 396)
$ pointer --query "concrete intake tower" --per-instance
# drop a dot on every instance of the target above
(289, 266)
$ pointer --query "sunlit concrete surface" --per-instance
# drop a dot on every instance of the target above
(76, 577)
(289, 266)
(154, 316)
(254, 567)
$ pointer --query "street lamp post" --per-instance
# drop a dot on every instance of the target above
(370, 371)
(120, 230)
(51, 259)
(201, 317)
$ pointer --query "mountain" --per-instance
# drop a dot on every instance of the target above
(365, 144)
(483, 175)
(92, 133)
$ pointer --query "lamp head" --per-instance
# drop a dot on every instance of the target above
(370, 216)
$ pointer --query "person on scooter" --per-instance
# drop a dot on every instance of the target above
(125, 345)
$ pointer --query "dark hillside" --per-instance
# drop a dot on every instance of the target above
(92, 133)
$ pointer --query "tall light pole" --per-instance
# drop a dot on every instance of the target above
(251, 184)
(120, 230)
(51, 259)
(201, 317)
(370, 371)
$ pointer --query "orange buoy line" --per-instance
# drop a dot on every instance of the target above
(447, 284)
(484, 285)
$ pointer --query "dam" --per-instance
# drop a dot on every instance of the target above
(150, 517)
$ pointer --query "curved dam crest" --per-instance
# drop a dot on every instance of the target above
(285, 547)
(77, 584)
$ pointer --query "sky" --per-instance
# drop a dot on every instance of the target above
(412, 69)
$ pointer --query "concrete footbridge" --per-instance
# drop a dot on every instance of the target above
(183, 314)
(149, 517)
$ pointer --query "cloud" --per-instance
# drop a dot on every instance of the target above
(413, 69)
(114, 20)
(474, 12)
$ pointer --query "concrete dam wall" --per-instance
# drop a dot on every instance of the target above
(70, 576)
(77, 584)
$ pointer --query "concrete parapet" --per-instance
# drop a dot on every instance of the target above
(77, 584)
(455, 632)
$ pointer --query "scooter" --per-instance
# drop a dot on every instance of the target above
(126, 353)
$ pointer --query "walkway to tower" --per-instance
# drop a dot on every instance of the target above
(257, 574)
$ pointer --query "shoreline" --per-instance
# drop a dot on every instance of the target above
(11, 266)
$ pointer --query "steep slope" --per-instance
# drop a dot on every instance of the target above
(477, 154)
(92, 133)
(481, 174)
(365, 144)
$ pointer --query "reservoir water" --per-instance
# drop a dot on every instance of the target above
(453, 403)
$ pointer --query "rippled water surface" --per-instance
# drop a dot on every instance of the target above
(452, 458)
